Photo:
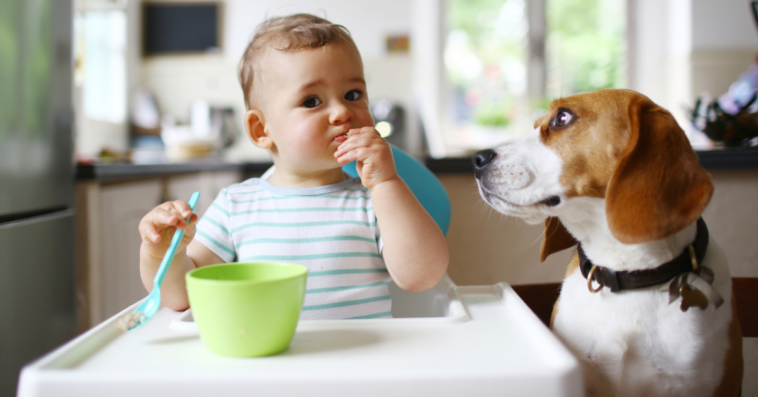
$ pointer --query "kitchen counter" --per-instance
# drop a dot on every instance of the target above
(730, 159)
(120, 171)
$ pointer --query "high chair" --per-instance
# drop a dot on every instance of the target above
(447, 341)
(423, 183)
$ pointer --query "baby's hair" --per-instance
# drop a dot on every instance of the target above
(289, 33)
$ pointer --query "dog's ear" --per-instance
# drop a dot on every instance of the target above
(555, 238)
(658, 186)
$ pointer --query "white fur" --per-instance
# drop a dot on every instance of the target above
(633, 343)
(524, 173)
(630, 343)
(585, 218)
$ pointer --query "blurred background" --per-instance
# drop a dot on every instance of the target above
(110, 107)
(472, 72)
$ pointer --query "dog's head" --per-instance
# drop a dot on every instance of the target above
(616, 145)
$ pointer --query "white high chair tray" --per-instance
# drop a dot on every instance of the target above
(489, 343)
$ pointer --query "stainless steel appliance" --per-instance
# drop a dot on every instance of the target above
(36, 183)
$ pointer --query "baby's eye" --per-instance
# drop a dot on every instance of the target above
(353, 95)
(311, 102)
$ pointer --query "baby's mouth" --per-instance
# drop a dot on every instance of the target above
(343, 137)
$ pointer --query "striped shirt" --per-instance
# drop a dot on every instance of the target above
(330, 229)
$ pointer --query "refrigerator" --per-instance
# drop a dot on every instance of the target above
(36, 183)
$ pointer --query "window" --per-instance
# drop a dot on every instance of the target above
(485, 59)
(505, 60)
(101, 63)
(585, 46)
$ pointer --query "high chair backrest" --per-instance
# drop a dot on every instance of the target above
(424, 185)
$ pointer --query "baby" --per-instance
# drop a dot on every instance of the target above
(302, 78)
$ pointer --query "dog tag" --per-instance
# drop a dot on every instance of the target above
(673, 289)
(692, 297)
(706, 274)
(702, 284)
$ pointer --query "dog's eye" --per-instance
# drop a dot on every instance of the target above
(562, 119)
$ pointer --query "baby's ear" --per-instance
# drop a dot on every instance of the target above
(255, 125)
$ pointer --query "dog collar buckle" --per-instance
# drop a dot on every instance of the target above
(605, 278)
(591, 277)
(693, 257)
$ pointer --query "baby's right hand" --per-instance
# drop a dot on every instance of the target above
(158, 226)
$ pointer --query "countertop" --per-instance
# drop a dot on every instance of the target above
(118, 171)
(729, 159)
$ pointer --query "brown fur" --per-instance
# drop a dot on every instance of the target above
(595, 139)
(731, 383)
(657, 186)
(573, 264)
(555, 238)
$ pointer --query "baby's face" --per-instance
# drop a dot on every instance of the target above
(311, 98)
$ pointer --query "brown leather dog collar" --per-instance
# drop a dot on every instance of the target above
(626, 280)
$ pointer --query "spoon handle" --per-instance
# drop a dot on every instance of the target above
(169, 257)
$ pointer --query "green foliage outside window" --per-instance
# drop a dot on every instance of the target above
(586, 45)
(491, 115)
(486, 56)
(485, 59)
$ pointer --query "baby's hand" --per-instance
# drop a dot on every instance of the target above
(373, 156)
(158, 226)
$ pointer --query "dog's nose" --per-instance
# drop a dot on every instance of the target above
(481, 159)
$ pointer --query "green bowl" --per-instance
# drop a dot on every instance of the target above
(247, 309)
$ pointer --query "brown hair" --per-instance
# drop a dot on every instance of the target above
(290, 33)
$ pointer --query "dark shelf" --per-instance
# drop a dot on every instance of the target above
(124, 171)
(729, 159)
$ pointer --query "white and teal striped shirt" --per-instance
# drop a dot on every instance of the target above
(330, 229)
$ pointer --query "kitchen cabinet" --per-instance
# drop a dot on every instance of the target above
(107, 237)
(207, 183)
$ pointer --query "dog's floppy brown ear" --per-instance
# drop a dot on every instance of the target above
(555, 238)
(658, 186)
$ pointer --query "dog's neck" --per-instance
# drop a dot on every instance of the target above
(586, 220)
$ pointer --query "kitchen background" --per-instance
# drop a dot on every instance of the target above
(155, 121)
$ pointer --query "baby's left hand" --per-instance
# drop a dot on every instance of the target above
(373, 156)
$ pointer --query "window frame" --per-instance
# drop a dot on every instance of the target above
(432, 90)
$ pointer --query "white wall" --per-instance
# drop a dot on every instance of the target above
(683, 48)
(724, 44)
(367, 21)
(94, 135)
(178, 80)
(723, 24)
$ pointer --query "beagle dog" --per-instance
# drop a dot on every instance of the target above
(646, 301)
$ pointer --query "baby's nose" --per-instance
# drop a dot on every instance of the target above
(340, 113)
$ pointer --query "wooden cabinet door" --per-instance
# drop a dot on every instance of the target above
(209, 184)
(122, 206)
(109, 251)
(224, 179)
(182, 187)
